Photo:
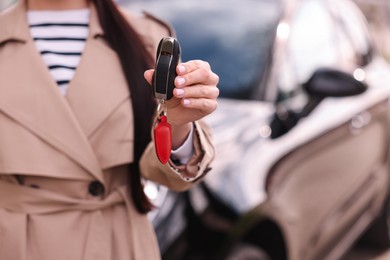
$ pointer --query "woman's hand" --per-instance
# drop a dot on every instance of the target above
(195, 96)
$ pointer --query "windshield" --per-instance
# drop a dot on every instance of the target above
(235, 37)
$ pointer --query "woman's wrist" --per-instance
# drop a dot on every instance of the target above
(180, 134)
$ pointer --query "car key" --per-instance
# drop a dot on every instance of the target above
(168, 56)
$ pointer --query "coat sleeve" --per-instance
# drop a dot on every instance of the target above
(174, 176)
(180, 177)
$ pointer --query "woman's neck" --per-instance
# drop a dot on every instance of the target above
(56, 4)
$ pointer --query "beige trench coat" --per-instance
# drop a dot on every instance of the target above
(63, 193)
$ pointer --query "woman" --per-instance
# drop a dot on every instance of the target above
(76, 114)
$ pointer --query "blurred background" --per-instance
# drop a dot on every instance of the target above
(377, 13)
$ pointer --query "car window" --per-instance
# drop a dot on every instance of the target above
(235, 39)
(312, 44)
(354, 27)
(322, 35)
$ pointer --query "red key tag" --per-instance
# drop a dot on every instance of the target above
(163, 139)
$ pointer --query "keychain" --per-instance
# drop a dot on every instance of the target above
(162, 134)
(168, 55)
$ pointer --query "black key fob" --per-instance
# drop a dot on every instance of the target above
(168, 56)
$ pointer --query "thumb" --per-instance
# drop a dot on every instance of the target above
(148, 75)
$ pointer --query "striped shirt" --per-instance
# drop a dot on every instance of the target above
(60, 39)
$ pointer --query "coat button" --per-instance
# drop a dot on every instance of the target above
(96, 188)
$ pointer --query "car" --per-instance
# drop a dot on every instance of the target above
(301, 132)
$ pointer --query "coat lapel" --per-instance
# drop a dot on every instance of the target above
(98, 86)
(30, 96)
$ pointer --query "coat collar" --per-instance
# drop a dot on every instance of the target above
(34, 101)
(13, 23)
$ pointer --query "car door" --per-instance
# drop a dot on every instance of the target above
(332, 186)
(325, 192)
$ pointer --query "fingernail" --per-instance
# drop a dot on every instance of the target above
(180, 81)
(181, 68)
(179, 92)
(186, 102)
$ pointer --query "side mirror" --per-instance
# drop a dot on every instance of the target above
(324, 82)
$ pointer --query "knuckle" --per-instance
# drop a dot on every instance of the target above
(206, 65)
(210, 105)
(205, 73)
(188, 78)
(205, 104)
(199, 63)
(217, 91)
(216, 77)
(204, 91)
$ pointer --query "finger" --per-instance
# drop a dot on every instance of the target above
(148, 75)
(189, 66)
(205, 106)
(197, 91)
(201, 76)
